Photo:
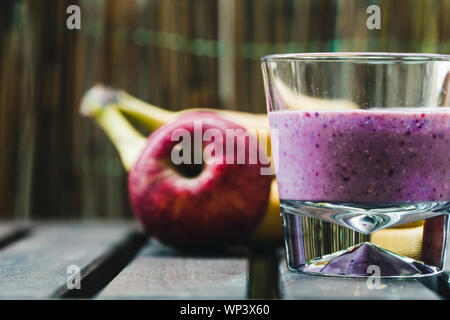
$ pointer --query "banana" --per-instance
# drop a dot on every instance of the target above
(152, 117)
(270, 228)
(406, 241)
(296, 101)
(107, 106)
(100, 104)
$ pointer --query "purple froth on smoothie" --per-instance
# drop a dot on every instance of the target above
(363, 156)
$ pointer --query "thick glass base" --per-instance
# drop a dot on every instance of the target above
(354, 240)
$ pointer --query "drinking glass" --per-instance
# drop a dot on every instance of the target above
(361, 153)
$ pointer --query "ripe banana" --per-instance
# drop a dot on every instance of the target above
(151, 117)
(107, 107)
(406, 241)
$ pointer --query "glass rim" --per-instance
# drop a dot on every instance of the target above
(357, 56)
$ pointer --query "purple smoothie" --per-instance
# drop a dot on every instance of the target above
(363, 156)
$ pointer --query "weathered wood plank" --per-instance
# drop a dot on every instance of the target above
(10, 232)
(300, 286)
(162, 273)
(5, 229)
(36, 266)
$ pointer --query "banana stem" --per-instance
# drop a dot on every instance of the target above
(99, 103)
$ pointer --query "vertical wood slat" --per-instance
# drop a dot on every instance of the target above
(51, 94)
(10, 71)
(226, 37)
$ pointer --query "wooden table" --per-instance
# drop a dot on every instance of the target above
(117, 261)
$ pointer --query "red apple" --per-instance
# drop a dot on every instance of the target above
(195, 206)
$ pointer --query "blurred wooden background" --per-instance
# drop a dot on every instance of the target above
(172, 53)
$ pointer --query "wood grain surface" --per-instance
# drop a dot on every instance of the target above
(10, 232)
(161, 273)
(118, 262)
(36, 266)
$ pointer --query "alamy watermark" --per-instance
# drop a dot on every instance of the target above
(374, 20)
(74, 279)
(73, 21)
(374, 280)
(235, 146)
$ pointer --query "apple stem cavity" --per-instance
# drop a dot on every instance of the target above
(99, 103)
(187, 170)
